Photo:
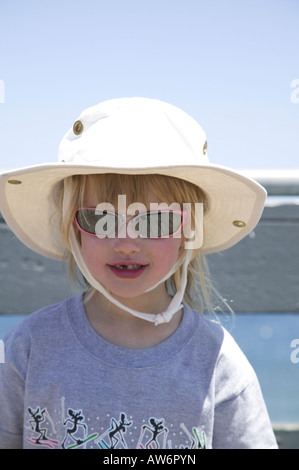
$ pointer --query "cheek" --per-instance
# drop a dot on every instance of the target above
(166, 252)
(91, 248)
(86, 245)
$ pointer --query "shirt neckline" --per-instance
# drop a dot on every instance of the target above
(107, 352)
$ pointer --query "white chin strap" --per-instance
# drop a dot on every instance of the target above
(163, 317)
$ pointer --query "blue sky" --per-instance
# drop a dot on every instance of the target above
(229, 63)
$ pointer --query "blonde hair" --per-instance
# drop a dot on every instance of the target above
(136, 187)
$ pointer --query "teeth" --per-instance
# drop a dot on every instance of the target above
(130, 266)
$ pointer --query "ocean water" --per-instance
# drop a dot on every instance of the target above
(268, 341)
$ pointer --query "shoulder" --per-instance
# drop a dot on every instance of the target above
(232, 371)
(230, 355)
(46, 316)
(207, 333)
(36, 327)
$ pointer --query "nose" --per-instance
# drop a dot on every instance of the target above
(126, 245)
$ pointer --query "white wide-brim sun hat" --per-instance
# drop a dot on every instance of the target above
(131, 136)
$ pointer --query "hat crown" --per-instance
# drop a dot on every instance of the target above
(134, 133)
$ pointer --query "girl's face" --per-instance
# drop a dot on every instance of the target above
(127, 267)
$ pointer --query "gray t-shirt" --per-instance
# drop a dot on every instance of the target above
(63, 386)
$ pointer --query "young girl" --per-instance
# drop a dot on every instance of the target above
(133, 362)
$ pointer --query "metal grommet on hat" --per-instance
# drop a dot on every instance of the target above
(14, 182)
(239, 223)
(78, 127)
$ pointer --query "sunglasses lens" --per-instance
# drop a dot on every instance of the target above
(96, 223)
(158, 224)
(149, 225)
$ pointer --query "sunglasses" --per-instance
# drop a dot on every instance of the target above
(151, 224)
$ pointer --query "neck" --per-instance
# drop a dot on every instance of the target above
(122, 329)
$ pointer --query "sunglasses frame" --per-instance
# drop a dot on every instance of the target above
(124, 219)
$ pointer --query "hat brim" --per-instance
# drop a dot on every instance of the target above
(26, 202)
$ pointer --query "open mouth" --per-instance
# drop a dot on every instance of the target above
(128, 271)
(129, 266)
